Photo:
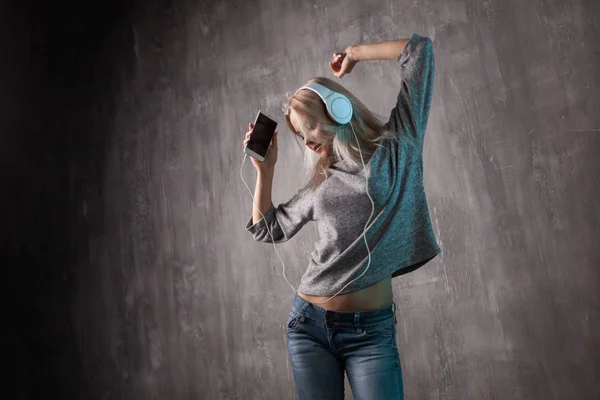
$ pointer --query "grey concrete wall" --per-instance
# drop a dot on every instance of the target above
(171, 298)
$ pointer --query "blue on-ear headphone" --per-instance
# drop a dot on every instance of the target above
(338, 106)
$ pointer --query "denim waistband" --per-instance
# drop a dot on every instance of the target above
(303, 308)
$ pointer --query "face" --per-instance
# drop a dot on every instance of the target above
(316, 145)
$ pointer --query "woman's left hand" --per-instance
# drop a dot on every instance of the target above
(343, 62)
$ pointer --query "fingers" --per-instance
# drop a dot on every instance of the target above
(250, 127)
(335, 68)
(247, 136)
(337, 63)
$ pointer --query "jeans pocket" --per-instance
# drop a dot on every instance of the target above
(293, 321)
(385, 328)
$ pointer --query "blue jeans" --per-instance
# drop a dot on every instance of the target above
(322, 344)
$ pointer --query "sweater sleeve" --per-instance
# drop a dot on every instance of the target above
(285, 220)
(417, 65)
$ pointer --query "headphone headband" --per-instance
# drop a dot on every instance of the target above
(338, 106)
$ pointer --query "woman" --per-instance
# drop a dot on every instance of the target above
(343, 317)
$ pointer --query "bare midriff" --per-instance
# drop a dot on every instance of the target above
(377, 296)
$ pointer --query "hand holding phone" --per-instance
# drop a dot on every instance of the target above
(261, 142)
(271, 158)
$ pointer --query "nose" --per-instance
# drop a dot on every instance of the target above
(308, 142)
(312, 145)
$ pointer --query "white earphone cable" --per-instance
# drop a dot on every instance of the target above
(366, 224)
(364, 229)
(266, 224)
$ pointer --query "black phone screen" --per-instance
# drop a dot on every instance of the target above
(261, 136)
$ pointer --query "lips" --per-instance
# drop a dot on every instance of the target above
(317, 148)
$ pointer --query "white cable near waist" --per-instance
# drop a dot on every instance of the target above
(364, 229)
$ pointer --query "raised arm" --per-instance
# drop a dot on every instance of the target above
(416, 66)
(377, 51)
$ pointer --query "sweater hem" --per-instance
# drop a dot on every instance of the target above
(406, 267)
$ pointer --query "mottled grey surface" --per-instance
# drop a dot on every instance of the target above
(172, 299)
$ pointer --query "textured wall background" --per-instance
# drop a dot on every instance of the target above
(129, 274)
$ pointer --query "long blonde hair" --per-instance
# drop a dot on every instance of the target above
(311, 109)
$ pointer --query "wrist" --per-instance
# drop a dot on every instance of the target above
(363, 52)
(266, 172)
(353, 52)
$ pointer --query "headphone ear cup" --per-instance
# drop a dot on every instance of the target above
(340, 108)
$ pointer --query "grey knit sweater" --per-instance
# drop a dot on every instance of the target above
(400, 234)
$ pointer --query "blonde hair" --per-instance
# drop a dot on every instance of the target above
(311, 109)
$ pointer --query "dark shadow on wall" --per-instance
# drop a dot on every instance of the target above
(59, 77)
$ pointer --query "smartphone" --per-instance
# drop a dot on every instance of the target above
(261, 136)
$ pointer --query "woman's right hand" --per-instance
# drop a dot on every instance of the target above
(343, 62)
(268, 165)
